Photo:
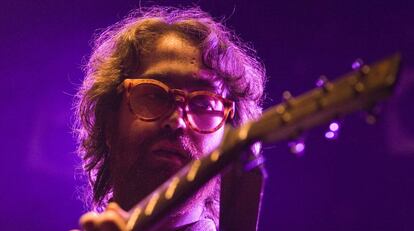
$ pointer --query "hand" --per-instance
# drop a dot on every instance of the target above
(112, 219)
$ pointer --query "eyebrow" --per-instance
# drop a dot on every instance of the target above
(174, 80)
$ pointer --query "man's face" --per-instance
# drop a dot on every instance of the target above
(145, 154)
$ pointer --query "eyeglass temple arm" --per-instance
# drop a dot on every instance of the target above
(121, 87)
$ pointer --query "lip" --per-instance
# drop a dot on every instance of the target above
(170, 152)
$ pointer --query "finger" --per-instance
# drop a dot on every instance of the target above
(88, 221)
(111, 221)
(116, 208)
(112, 206)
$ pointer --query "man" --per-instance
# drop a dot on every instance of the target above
(159, 87)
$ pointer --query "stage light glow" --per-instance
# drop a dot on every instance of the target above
(334, 126)
(297, 147)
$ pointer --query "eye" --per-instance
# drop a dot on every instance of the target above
(205, 103)
(154, 95)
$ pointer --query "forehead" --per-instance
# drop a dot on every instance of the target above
(177, 61)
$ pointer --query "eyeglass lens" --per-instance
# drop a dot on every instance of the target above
(203, 111)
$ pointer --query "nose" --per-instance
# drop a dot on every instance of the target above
(175, 120)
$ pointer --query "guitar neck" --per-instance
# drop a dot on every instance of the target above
(357, 90)
(183, 184)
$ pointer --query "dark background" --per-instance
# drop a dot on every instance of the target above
(362, 181)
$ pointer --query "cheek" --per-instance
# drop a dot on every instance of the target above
(131, 129)
(130, 135)
(209, 142)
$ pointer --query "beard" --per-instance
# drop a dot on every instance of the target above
(136, 173)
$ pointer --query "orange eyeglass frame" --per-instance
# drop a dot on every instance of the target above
(180, 96)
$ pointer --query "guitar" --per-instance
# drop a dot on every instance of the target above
(357, 90)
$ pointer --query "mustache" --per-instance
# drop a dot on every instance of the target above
(177, 137)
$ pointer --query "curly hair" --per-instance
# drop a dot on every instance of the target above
(116, 55)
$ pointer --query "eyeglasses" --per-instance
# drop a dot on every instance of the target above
(203, 111)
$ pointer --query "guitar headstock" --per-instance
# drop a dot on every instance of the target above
(358, 90)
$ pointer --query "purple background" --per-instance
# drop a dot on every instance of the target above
(363, 181)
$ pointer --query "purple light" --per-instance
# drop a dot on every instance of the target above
(320, 82)
(330, 135)
(334, 126)
(297, 147)
(300, 147)
(357, 64)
